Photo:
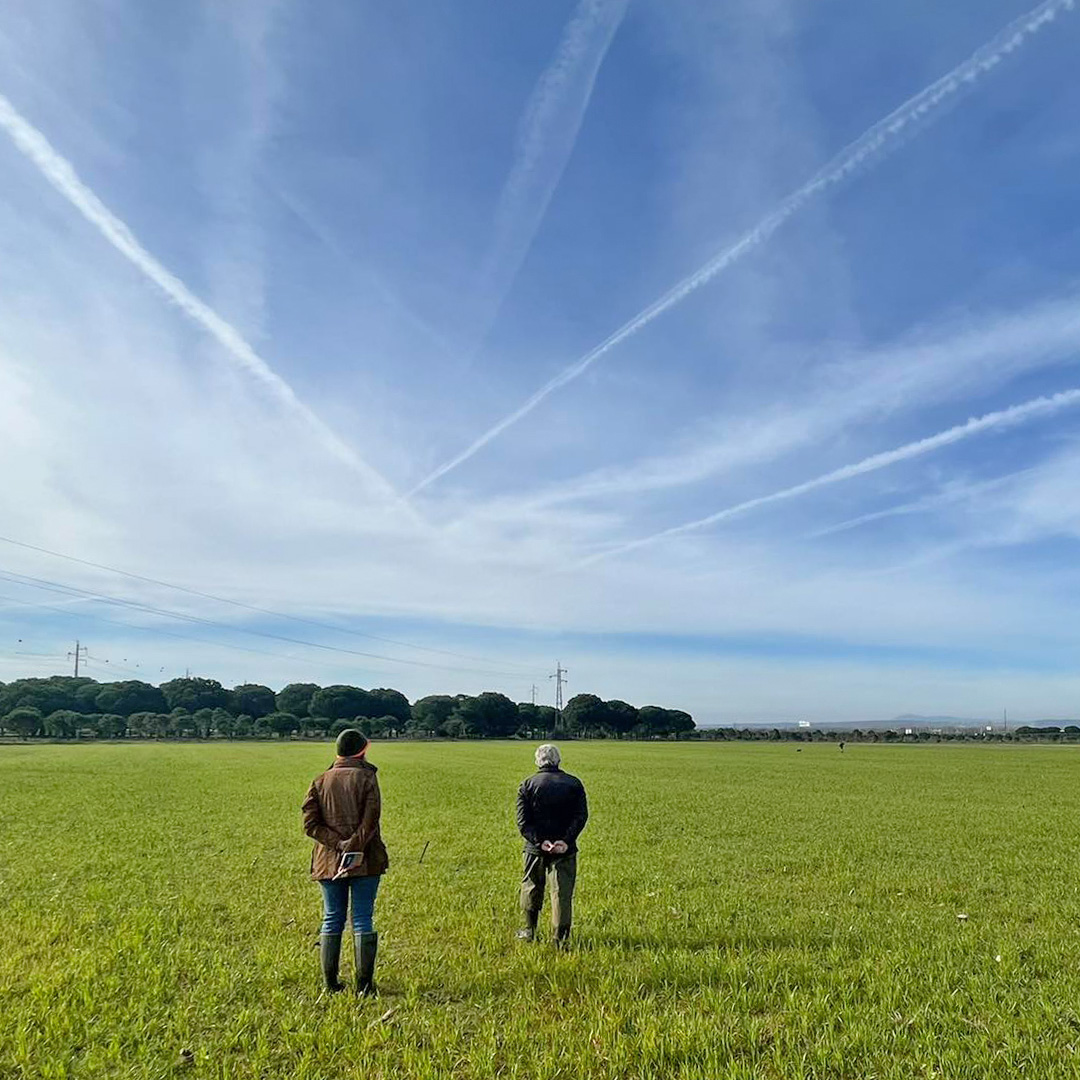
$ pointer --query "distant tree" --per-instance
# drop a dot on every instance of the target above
(254, 699)
(282, 723)
(456, 728)
(112, 726)
(182, 724)
(488, 715)
(621, 717)
(430, 714)
(62, 724)
(652, 721)
(89, 725)
(681, 723)
(584, 714)
(58, 692)
(143, 725)
(222, 723)
(125, 698)
(192, 694)
(24, 720)
(378, 727)
(296, 698)
(243, 726)
(389, 703)
(203, 723)
(535, 721)
(340, 702)
(86, 697)
(317, 725)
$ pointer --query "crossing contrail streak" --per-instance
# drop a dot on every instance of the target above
(1003, 418)
(873, 142)
(546, 137)
(61, 174)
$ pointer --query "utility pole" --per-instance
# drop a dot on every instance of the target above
(79, 653)
(559, 676)
(534, 693)
(1005, 721)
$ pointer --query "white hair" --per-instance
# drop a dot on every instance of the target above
(547, 755)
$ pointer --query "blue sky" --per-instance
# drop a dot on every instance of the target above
(305, 308)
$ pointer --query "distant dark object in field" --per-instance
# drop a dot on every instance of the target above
(841, 748)
(424, 852)
(798, 750)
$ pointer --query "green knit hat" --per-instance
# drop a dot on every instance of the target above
(350, 742)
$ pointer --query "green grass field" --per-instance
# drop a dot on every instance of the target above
(742, 911)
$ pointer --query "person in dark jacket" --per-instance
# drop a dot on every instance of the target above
(341, 814)
(551, 812)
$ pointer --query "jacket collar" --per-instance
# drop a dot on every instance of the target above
(352, 763)
(550, 768)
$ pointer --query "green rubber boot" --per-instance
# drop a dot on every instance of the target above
(366, 947)
(330, 959)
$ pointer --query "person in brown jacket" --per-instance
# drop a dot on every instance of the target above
(341, 814)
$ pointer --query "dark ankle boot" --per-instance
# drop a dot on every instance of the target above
(366, 946)
(562, 937)
(330, 958)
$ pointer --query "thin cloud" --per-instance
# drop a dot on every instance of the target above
(947, 361)
(873, 144)
(948, 496)
(938, 364)
(546, 136)
(1003, 418)
(60, 173)
(304, 214)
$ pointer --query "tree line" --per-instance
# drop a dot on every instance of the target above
(65, 707)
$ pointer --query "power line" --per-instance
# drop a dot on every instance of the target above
(104, 663)
(159, 630)
(253, 607)
(72, 590)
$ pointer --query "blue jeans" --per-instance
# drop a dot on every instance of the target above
(336, 902)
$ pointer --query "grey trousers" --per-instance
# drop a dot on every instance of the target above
(560, 873)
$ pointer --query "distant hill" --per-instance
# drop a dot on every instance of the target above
(915, 720)
(909, 720)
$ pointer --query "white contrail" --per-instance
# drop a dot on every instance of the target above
(874, 141)
(947, 496)
(1003, 418)
(61, 174)
(546, 135)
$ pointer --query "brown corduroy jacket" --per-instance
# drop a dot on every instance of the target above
(341, 813)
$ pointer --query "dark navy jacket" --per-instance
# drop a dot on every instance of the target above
(551, 806)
